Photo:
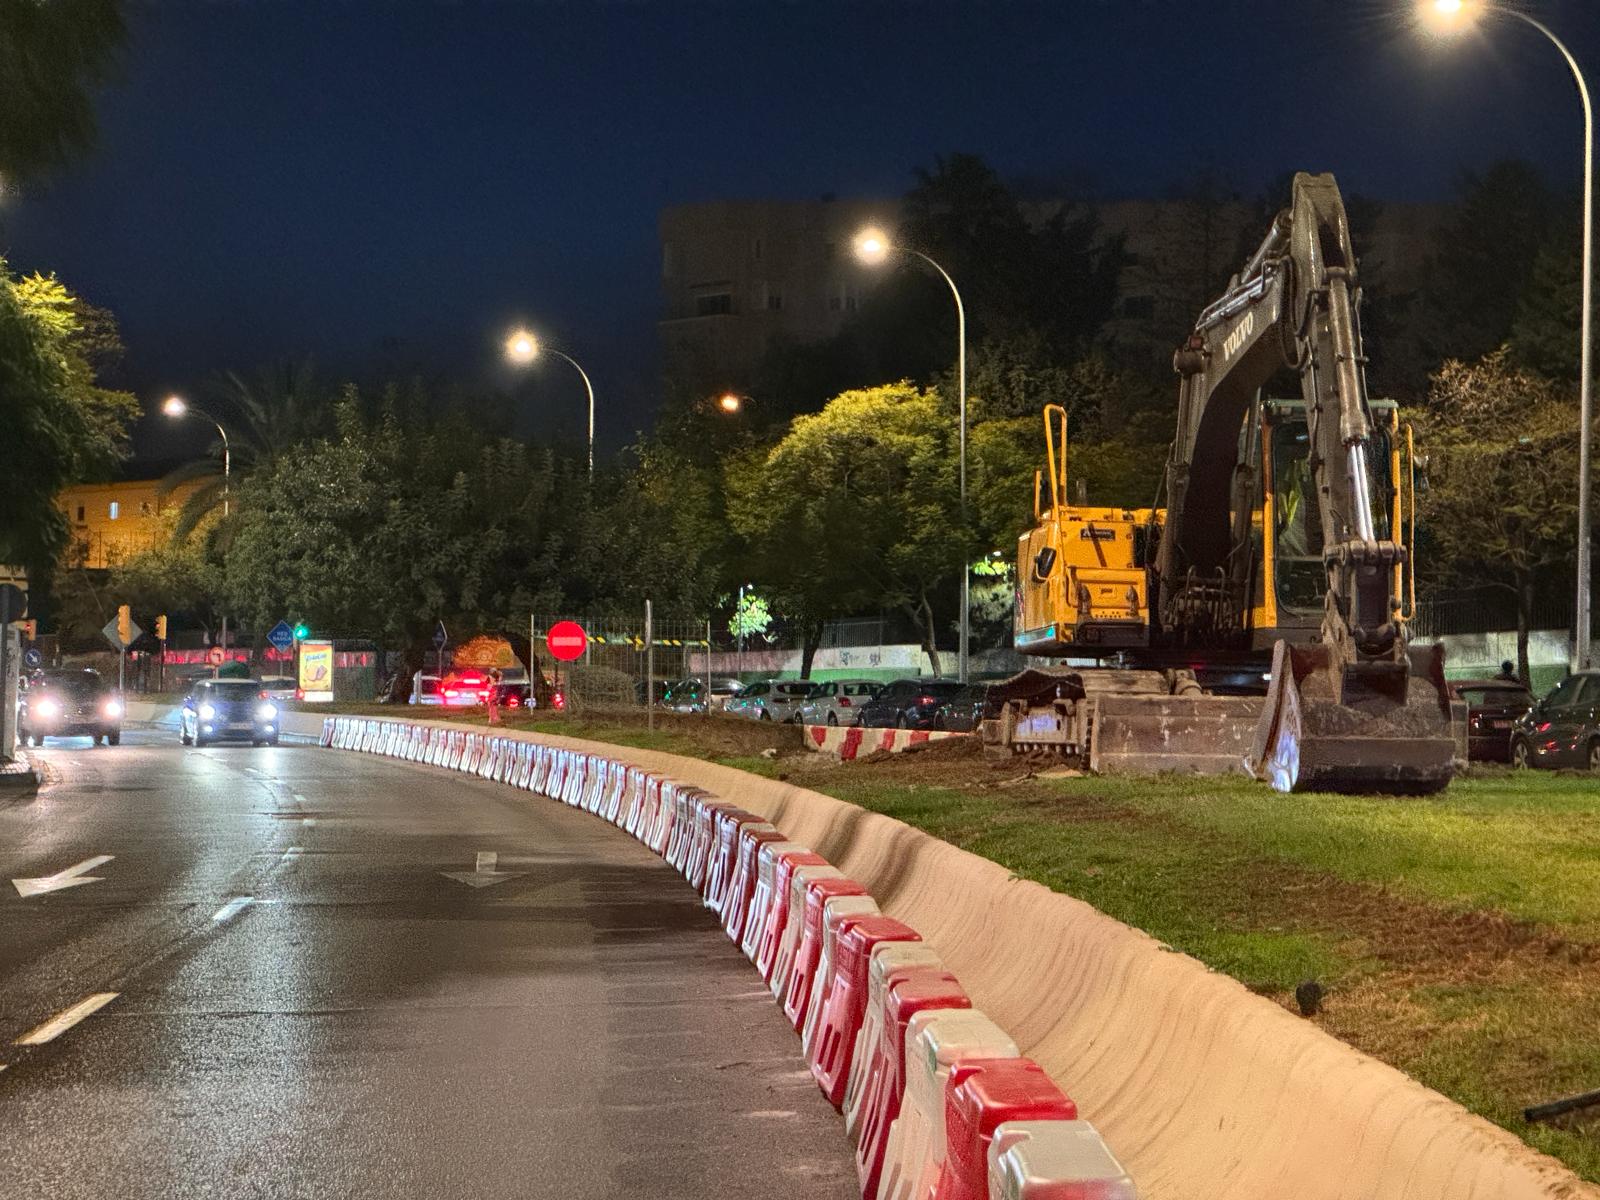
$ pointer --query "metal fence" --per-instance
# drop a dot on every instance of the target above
(625, 661)
(1488, 610)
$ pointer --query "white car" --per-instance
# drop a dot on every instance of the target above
(771, 700)
(837, 701)
(279, 687)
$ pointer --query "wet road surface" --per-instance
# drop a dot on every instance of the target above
(276, 990)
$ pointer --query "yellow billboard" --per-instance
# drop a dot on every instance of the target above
(316, 672)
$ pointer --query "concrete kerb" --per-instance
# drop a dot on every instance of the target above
(1203, 1088)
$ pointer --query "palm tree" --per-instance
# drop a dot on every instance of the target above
(264, 415)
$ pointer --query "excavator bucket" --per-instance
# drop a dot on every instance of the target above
(1197, 734)
(1385, 727)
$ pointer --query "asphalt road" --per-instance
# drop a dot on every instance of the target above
(307, 1006)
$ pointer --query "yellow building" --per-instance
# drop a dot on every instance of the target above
(111, 522)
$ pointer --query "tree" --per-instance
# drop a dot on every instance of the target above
(1500, 505)
(61, 426)
(1544, 337)
(52, 56)
(858, 506)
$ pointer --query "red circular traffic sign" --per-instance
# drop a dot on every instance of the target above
(566, 640)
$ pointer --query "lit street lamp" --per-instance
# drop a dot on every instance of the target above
(1453, 16)
(730, 402)
(176, 406)
(522, 348)
(873, 248)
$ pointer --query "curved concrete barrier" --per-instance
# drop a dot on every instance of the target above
(1205, 1089)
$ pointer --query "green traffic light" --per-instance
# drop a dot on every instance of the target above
(301, 633)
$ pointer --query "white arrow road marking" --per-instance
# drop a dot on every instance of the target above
(483, 874)
(232, 907)
(63, 1021)
(71, 877)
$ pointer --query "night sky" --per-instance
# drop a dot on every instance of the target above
(388, 187)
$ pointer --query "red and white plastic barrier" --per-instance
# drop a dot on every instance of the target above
(936, 1098)
(850, 742)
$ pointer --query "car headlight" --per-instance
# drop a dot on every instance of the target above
(266, 712)
(47, 708)
(207, 711)
(113, 709)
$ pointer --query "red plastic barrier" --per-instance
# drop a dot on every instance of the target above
(808, 954)
(981, 1095)
(736, 897)
(724, 852)
(705, 840)
(770, 902)
(834, 1042)
(909, 992)
(793, 900)
(837, 914)
(886, 966)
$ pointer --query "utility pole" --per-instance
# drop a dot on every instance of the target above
(649, 667)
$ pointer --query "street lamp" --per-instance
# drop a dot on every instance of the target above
(730, 402)
(522, 348)
(1453, 16)
(177, 406)
(872, 247)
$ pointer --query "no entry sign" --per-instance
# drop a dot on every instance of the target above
(567, 640)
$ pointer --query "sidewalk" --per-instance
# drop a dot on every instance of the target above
(18, 776)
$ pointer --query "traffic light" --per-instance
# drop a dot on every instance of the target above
(301, 631)
(124, 624)
(161, 628)
(30, 631)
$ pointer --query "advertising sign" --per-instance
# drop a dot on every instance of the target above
(316, 672)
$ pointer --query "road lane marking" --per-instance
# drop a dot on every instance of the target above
(484, 872)
(292, 853)
(71, 877)
(299, 799)
(65, 1020)
(232, 907)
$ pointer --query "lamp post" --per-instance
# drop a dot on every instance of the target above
(872, 247)
(1451, 16)
(177, 407)
(522, 348)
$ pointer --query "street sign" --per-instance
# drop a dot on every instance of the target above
(32, 657)
(13, 603)
(282, 637)
(566, 640)
(215, 656)
(440, 636)
(134, 634)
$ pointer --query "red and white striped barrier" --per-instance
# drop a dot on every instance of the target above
(938, 1102)
(849, 742)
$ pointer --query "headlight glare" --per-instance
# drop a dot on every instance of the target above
(266, 712)
(47, 708)
(207, 711)
(113, 708)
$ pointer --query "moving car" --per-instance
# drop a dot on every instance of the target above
(908, 703)
(838, 701)
(964, 711)
(1563, 729)
(462, 689)
(1493, 705)
(223, 709)
(690, 695)
(280, 687)
(69, 704)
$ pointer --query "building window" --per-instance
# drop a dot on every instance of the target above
(116, 510)
(774, 298)
(80, 512)
(715, 305)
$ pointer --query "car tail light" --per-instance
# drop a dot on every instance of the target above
(513, 702)
(923, 701)
(1543, 727)
(299, 693)
(558, 701)
(844, 701)
(449, 691)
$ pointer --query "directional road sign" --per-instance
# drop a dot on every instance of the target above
(32, 657)
(567, 640)
(110, 631)
(440, 635)
(282, 637)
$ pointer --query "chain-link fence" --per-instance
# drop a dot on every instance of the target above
(628, 658)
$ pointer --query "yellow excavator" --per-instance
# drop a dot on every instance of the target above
(1256, 622)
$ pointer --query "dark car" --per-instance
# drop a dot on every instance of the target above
(228, 709)
(963, 711)
(69, 704)
(512, 695)
(1563, 729)
(1493, 705)
(907, 703)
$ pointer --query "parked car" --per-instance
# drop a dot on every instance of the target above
(280, 687)
(463, 689)
(907, 703)
(964, 711)
(1493, 705)
(228, 709)
(69, 704)
(1563, 729)
(837, 701)
(690, 695)
(425, 689)
(772, 700)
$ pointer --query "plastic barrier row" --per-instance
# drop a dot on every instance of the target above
(938, 1102)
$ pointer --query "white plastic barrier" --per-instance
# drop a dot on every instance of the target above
(1054, 1160)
